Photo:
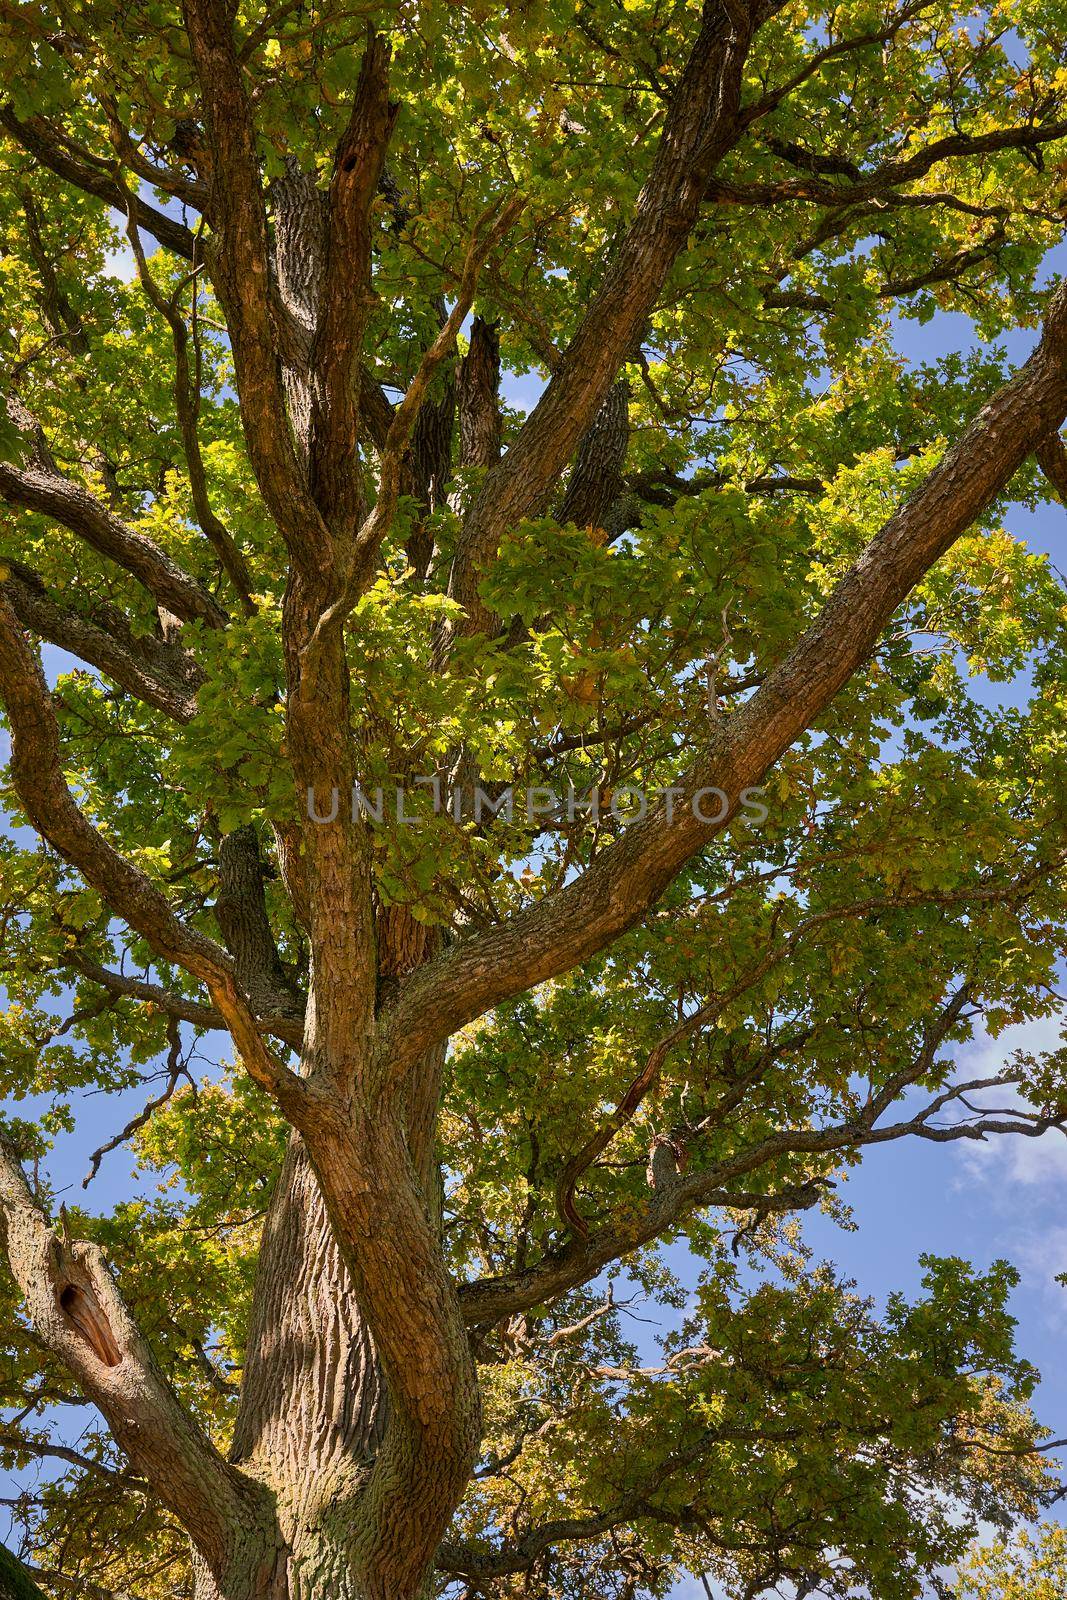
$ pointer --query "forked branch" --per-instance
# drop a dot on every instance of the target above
(37, 772)
(572, 924)
(78, 1313)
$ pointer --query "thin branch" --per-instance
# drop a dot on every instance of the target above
(176, 1070)
(76, 1309)
(490, 228)
(186, 404)
(12, 1439)
(82, 1588)
(37, 772)
(701, 1018)
(39, 486)
(611, 895)
(577, 1261)
(831, 52)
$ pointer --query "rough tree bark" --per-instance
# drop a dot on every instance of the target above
(15, 1581)
(311, 1415)
(312, 1420)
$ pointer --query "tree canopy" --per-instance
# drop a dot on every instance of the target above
(503, 796)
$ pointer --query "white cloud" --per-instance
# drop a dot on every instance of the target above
(983, 1055)
(1043, 1255)
(1012, 1159)
(1023, 1182)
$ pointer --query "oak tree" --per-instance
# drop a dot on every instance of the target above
(489, 627)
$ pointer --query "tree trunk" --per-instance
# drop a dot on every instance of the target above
(318, 1566)
(312, 1409)
(311, 1414)
(15, 1581)
(362, 1487)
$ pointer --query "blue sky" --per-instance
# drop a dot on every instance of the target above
(1005, 1197)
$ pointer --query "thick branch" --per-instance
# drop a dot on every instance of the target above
(155, 671)
(346, 297)
(240, 260)
(596, 481)
(665, 488)
(37, 772)
(477, 397)
(194, 192)
(405, 1292)
(78, 1313)
(702, 124)
(122, 986)
(94, 177)
(628, 877)
(889, 175)
(16, 1582)
(39, 486)
(241, 913)
(278, 1022)
(949, 269)
(1051, 456)
(375, 410)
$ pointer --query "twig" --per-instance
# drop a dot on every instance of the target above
(176, 1070)
(187, 409)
